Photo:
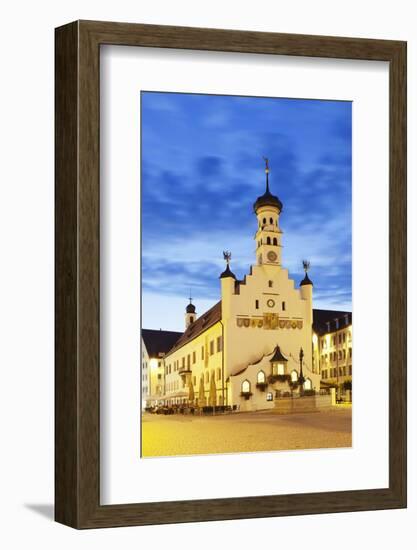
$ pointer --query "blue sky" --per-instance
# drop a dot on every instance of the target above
(202, 169)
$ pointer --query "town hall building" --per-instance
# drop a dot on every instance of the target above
(256, 343)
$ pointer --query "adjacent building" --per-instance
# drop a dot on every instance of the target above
(155, 344)
(332, 345)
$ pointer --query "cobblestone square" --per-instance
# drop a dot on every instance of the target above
(245, 432)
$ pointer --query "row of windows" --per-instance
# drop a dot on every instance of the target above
(273, 241)
(336, 338)
(215, 346)
(333, 355)
(246, 385)
(271, 222)
(333, 373)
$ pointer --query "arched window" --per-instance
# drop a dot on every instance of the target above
(271, 221)
(245, 386)
(294, 376)
(275, 241)
(269, 396)
(264, 221)
(268, 240)
(307, 384)
(261, 377)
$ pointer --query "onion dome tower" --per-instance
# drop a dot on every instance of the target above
(306, 280)
(190, 314)
(268, 208)
(227, 272)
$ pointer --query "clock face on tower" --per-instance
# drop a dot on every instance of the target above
(272, 257)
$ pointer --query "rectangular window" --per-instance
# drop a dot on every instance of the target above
(350, 353)
(256, 304)
(219, 343)
(194, 357)
(219, 374)
(283, 306)
(212, 347)
(270, 284)
(202, 352)
(183, 363)
(350, 370)
(188, 361)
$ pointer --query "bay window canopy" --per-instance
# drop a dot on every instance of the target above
(278, 362)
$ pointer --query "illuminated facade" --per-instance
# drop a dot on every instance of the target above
(332, 346)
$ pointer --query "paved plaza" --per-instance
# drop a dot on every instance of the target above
(245, 432)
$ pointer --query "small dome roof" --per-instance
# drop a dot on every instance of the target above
(190, 308)
(227, 273)
(267, 199)
(306, 281)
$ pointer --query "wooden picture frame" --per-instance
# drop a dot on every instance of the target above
(77, 406)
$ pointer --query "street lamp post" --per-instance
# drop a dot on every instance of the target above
(301, 378)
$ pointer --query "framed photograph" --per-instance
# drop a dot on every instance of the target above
(230, 274)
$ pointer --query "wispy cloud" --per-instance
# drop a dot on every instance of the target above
(202, 171)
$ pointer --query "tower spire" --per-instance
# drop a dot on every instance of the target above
(267, 173)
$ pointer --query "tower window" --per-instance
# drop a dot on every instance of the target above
(270, 284)
(275, 241)
(268, 240)
(264, 221)
(257, 304)
(283, 306)
(271, 221)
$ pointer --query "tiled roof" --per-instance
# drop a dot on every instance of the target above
(201, 324)
(324, 320)
(159, 341)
